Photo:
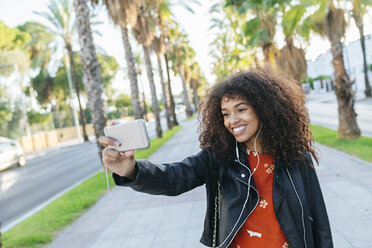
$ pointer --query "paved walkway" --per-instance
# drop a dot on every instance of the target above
(129, 219)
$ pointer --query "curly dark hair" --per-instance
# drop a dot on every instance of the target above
(279, 103)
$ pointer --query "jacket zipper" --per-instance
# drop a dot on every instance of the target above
(258, 200)
(302, 208)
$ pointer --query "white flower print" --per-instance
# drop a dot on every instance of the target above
(269, 168)
(285, 245)
(263, 204)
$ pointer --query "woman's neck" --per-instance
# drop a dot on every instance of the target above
(249, 145)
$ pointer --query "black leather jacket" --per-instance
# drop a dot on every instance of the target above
(298, 202)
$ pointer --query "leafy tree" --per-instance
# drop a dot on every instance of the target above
(15, 58)
(260, 27)
(329, 21)
(5, 111)
(35, 117)
(230, 48)
(62, 25)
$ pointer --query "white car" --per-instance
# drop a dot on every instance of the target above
(11, 152)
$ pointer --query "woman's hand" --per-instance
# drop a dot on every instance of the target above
(121, 163)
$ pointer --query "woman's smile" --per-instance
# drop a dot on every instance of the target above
(240, 119)
(239, 130)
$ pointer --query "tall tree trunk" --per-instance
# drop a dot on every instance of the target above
(193, 83)
(170, 94)
(359, 23)
(348, 127)
(91, 71)
(266, 52)
(155, 104)
(144, 100)
(132, 74)
(57, 114)
(76, 84)
(185, 96)
(164, 94)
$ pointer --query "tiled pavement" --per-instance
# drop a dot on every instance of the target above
(129, 219)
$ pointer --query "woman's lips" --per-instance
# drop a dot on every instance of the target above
(238, 130)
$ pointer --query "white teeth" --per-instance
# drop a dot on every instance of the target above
(238, 129)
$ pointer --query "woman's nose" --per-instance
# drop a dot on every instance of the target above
(234, 119)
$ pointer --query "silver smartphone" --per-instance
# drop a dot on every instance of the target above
(132, 135)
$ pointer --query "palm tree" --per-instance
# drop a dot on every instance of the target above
(62, 26)
(91, 69)
(160, 50)
(125, 13)
(195, 71)
(358, 12)
(170, 93)
(144, 35)
(260, 28)
(229, 49)
(292, 59)
(139, 62)
(329, 21)
(180, 54)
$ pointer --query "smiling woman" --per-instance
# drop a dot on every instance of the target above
(241, 120)
(262, 189)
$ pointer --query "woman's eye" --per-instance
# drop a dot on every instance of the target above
(225, 114)
(241, 110)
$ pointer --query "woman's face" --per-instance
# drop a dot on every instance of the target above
(240, 119)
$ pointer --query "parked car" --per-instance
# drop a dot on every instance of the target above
(11, 152)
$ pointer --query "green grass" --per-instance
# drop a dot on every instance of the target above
(361, 147)
(41, 228)
(191, 117)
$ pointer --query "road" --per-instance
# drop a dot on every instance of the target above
(324, 113)
(47, 175)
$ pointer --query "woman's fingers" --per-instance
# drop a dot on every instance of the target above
(106, 141)
(111, 153)
(129, 153)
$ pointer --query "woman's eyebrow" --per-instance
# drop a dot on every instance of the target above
(236, 105)
(241, 103)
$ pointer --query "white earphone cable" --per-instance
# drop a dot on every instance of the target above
(249, 181)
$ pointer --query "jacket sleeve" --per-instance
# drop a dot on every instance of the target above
(318, 211)
(169, 178)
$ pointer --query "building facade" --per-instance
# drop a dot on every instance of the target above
(353, 58)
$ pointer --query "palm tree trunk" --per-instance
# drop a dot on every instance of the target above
(359, 23)
(195, 93)
(76, 84)
(266, 52)
(165, 98)
(348, 127)
(92, 74)
(185, 96)
(170, 94)
(132, 74)
(155, 104)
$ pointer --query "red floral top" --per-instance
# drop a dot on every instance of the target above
(261, 230)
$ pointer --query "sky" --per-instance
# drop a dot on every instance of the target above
(196, 25)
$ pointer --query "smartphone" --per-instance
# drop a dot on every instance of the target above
(132, 135)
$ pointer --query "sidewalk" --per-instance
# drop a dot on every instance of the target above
(129, 219)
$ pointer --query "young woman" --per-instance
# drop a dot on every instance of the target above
(262, 189)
